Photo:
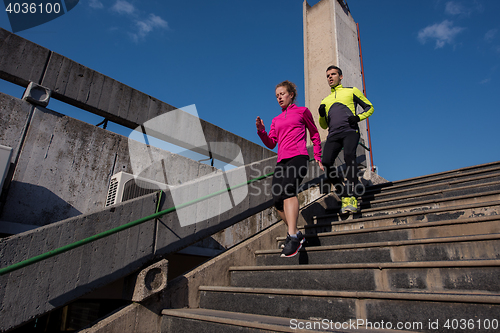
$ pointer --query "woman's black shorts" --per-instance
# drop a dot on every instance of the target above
(288, 175)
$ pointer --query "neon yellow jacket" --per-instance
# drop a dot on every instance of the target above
(341, 104)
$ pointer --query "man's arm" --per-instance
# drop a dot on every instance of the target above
(362, 101)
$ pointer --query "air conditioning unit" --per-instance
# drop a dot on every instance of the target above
(5, 155)
(125, 186)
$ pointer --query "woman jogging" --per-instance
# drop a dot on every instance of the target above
(288, 131)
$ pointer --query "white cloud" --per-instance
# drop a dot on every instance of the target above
(141, 25)
(146, 26)
(455, 8)
(458, 8)
(443, 33)
(157, 21)
(123, 7)
(96, 4)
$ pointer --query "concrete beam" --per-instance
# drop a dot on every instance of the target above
(21, 61)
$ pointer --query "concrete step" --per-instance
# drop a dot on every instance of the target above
(208, 321)
(489, 224)
(449, 193)
(447, 184)
(332, 222)
(423, 252)
(411, 208)
(458, 174)
(466, 276)
(420, 308)
(429, 249)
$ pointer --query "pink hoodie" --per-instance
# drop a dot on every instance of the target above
(288, 130)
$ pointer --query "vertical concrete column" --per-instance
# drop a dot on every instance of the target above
(330, 38)
(320, 51)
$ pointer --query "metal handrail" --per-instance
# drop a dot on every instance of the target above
(364, 92)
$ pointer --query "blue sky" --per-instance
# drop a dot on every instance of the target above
(431, 67)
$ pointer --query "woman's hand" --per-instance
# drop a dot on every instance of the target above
(320, 165)
(259, 124)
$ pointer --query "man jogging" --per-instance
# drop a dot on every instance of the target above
(337, 112)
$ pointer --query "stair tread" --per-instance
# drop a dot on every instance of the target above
(235, 318)
(429, 201)
(438, 176)
(386, 265)
(402, 214)
(422, 194)
(438, 296)
(392, 243)
(400, 226)
(277, 324)
(403, 189)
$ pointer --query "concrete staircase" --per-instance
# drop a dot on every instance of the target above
(422, 255)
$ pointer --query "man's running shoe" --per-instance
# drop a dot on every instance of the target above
(345, 203)
(349, 205)
(292, 245)
(352, 205)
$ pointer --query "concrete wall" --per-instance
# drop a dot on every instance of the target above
(62, 166)
(330, 38)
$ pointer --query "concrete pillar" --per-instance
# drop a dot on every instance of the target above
(330, 38)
